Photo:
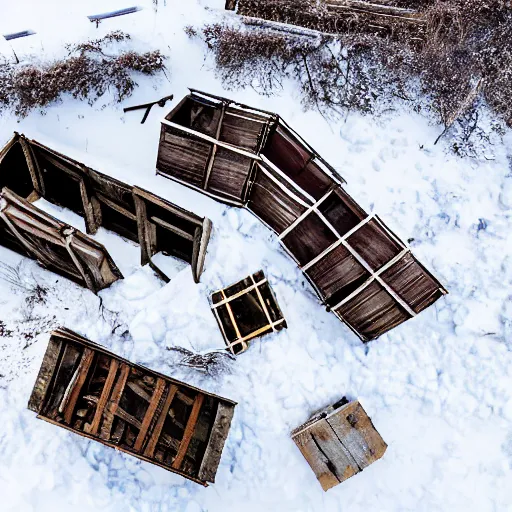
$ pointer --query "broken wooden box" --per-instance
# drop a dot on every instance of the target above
(251, 158)
(90, 391)
(339, 442)
(55, 245)
(245, 310)
(32, 170)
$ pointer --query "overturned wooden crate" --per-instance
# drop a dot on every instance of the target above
(386, 18)
(339, 442)
(32, 170)
(90, 391)
(251, 158)
(55, 245)
(246, 310)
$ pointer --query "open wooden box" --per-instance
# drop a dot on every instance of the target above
(90, 391)
(32, 170)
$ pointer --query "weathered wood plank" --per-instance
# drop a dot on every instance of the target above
(46, 372)
(356, 432)
(81, 375)
(189, 431)
(112, 405)
(218, 436)
(155, 435)
(148, 417)
(92, 428)
(317, 460)
(70, 357)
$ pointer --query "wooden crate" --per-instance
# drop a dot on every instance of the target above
(33, 170)
(90, 391)
(339, 442)
(55, 245)
(246, 310)
(360, 269)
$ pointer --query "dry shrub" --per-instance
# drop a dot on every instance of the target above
(333, 74)
(87, 73)
(464, 43)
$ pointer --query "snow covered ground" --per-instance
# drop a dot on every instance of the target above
(438, 388)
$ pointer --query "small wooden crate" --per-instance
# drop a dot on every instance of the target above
(245, 310)
(339, 442)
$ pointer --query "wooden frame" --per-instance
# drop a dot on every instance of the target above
(339, 442)
(246, 310)
(55, 245)
(33, 170)
(92, 392)
(350, 258)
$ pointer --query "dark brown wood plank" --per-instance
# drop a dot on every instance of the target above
(155, 435)
(111, 407)
(92, 428)
(189, 431)
(218, 436)
(81, 375)
(44, 377)
(150, 412)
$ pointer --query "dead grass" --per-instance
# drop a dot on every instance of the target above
(89, 71)
(465, 43)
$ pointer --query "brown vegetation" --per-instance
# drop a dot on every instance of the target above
(464, 60)
(87, 73)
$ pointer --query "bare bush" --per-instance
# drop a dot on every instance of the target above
(463, 62)
(87, 73)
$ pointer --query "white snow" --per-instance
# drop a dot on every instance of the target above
(438, 388)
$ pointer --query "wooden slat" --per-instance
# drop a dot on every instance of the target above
(356, 432)
(317, 460)
(189, 431)
(48, 367)
(150, 412)
(93, 427)
(111, 407)
(81, 375)
(155, 435)
(218, 436)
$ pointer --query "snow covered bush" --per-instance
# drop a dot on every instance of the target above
(89, 71)
(464, 61)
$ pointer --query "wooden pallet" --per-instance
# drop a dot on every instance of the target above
(339, 442)
(55, 245)
(246, 310)
(250, 158)
(33, 170)
(90, 391)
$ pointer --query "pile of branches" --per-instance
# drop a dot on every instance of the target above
(88, 72)
(464, 62)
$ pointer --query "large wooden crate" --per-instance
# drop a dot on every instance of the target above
(246, 310)
(33, 170)
(55, 245)
(339, 442)
(360, 269)
(90, 391)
